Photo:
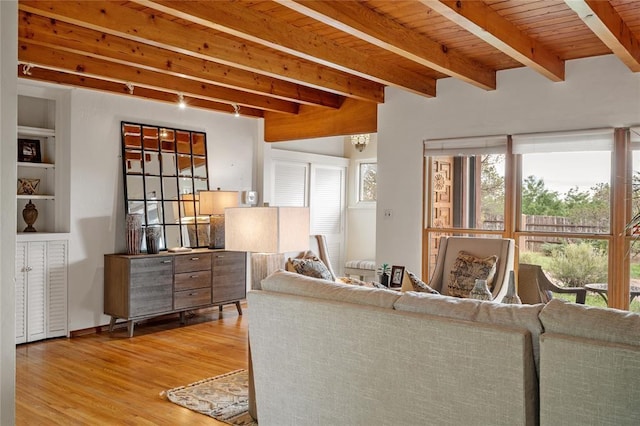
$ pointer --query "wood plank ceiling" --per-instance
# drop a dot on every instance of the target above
(311, 68)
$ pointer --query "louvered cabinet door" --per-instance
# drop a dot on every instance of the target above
(41, 290)
(21, 292)
(36, 290)
(56, 314)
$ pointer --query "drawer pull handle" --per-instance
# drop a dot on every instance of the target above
(195, 258)
(220, 256)
(166, 261)
(193, 276)
(192, 294)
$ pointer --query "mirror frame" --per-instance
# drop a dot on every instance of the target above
(163, 169)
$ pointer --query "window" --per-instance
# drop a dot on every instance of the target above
(565, 210)
(367, 184)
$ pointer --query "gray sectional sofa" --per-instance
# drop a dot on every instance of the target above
(333, 354)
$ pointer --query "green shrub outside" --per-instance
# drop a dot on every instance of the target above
(578, 264)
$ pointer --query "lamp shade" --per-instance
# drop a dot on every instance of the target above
(214, 202)
(267, 229)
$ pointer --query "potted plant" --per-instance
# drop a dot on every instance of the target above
(384, 272)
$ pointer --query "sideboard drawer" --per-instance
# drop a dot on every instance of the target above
(193, 262)
(192, 298)
(194, 279)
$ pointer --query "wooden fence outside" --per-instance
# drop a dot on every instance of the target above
(533, 223)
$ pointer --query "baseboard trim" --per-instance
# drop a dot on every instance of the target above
(168, 317)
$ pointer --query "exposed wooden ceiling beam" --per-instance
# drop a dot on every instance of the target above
(364, 23)
(61, 60)
(606, 23)
(115, 19)
(72, 38)
(483, 22)
(76, 80)
(239, 21)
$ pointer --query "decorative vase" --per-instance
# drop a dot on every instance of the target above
(153, 234)
(134, 233)
(30, 215)
(511, 296)
(384, 280)
(480, 291)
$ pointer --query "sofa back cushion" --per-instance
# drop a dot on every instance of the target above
(301, 285)
(609, 325)
(519, 316)
(591, 360)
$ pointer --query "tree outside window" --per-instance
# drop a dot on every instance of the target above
(367, 186)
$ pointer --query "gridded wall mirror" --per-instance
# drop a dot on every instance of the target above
(164, 169)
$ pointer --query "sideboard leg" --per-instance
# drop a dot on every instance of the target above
(112, 324)
(130, 325)
(238, 307)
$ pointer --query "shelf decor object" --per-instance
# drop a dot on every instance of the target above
(28, 186)
(153, 235)
(267, 233)
(30, 215)
(213, 203)
(134, 233)
(29, 151)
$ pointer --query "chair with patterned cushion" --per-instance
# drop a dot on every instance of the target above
(448, 267)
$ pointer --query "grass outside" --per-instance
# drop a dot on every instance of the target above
(592, 298)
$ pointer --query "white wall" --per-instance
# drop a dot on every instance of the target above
(361, 217)
(8, 147)
(597, 92)
(97, 206)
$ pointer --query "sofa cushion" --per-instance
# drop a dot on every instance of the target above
(301, 285)
(466, 269)
(519, 316)
(609, 325)
(418, 285)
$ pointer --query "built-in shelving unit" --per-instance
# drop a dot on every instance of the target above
(39, 123)
(42, 256)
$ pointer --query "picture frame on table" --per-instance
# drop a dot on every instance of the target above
(397, 273)
(29, 151)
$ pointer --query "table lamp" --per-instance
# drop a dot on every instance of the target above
(213, 203)
(267, 233)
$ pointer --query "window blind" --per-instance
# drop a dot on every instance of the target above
(573, 141)
(466, 146)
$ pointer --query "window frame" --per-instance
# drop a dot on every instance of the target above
(618, 237)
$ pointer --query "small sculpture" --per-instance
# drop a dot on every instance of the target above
(30, 215)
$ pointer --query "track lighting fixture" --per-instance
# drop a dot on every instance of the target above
(181, 103)
(236, 110)
(130, 87)
(26, 69)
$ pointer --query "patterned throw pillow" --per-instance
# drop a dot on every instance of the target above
(467, 269)
(311, 267)
(419, 285)
(355, 281)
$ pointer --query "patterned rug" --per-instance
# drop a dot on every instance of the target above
(224, 397)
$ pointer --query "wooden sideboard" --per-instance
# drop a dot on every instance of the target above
(147, 285)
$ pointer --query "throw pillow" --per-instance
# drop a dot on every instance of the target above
(311, 267)
(418, 285)
(467, 269)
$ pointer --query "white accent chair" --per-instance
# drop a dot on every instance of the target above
(449, 248)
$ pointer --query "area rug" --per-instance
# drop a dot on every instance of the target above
(224, 397)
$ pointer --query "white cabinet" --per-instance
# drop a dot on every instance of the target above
(41, 290)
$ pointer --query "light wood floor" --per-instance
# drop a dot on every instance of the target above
(111, 379)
